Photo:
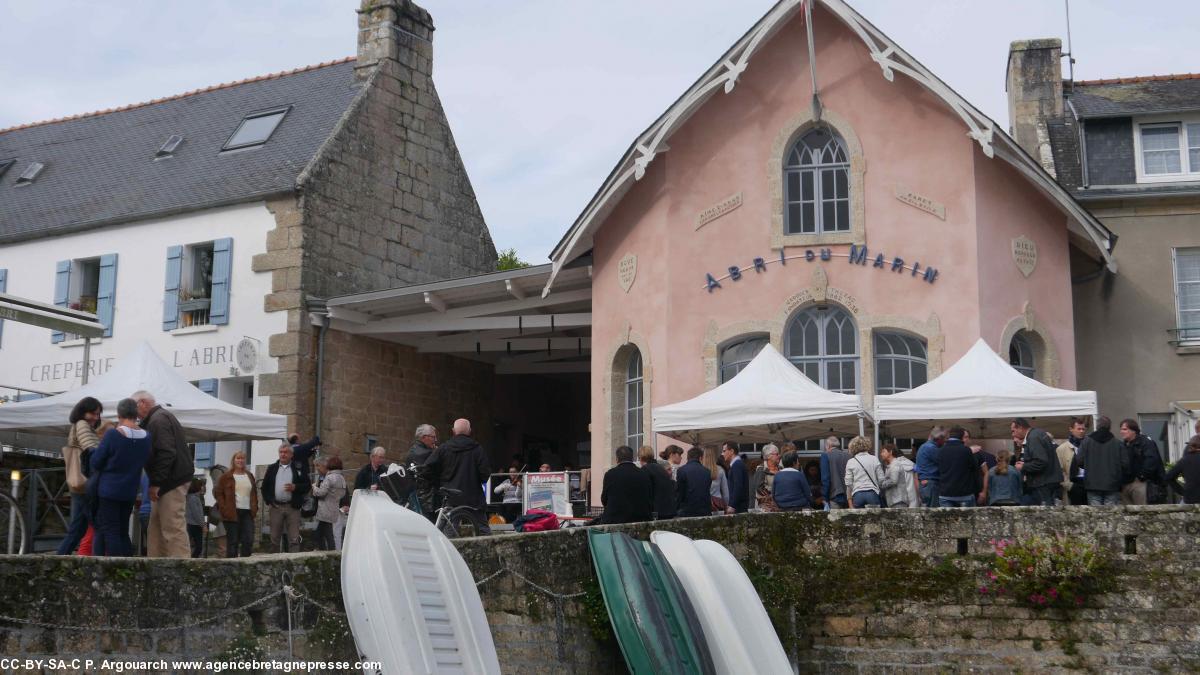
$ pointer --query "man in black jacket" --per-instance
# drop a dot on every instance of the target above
(170, 471)
(284, 488)
(628, 494)
(739, 478)
(958, 472)
(461, 464)
(660, 482)
(302, 452)
(367, 477)
(1144, 467)
(424, 443)
(1039, 463)
(1102, 461)
(692, 483)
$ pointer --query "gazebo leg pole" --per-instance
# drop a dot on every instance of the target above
(87, 360)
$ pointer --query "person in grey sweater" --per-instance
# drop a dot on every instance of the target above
(1102, 462)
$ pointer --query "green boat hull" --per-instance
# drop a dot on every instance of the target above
(651, 615)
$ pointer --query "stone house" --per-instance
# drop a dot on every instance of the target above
(1129, 150)
(252, 196)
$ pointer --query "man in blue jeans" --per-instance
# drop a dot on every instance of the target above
(958, 471)
(927, 465)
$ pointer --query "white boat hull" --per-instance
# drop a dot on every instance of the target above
(727, 604)
(410, 599)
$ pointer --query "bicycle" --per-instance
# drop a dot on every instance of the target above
(453, 521)
(12, 527)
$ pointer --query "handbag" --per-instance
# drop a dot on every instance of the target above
(75, 459)
(878, 491)
(718, 504)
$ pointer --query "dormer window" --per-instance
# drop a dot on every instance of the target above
(255, 129)
(30, 173)
(1168, 150)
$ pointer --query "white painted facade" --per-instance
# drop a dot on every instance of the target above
(29, 360)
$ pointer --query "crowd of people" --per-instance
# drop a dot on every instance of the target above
(948, 470)
(143, 462)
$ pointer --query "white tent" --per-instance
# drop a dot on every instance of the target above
(203, 417)
(769, 400)
(982, 393)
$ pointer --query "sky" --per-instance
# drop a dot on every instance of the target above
(543, 96)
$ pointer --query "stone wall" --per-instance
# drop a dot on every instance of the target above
(385, 203)
(864, 591)
(386, 390)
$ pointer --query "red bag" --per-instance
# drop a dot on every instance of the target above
(536, 520)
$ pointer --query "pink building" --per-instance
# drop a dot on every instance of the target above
(871, 238)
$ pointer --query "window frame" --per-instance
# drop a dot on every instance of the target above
(635, 412)
(282, 111)
(740, 365)
(823, 358)
(1187, 172)
(818, 170)
(908, 359)
(1182, 335)
(1029, 371)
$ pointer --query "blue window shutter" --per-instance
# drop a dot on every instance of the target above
(62, 288)
(3, 288)
(107, 292)
(171, 292)
(206, 452)
(218, 311)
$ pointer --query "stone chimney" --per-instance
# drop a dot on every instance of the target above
(1035, 89)
(397, 30)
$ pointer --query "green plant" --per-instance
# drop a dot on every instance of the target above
(243, 649)
(1043, 572)
(508, 260)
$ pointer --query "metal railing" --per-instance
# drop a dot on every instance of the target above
(194, 317)
(1185, 335)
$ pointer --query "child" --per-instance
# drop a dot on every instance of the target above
(195, 517)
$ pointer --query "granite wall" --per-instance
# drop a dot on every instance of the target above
(864, 591)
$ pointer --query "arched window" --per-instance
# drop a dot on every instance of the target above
(901, 362)
(634, 401)
(816, 178)
(1020, 355)
(736, 355)
(823, 343)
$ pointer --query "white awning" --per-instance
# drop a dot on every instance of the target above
(980, 387)
(770, 400)
(204, 418)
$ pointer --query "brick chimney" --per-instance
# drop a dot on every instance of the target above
(399, 30)
(1035, 89)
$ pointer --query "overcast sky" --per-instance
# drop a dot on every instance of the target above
(543, 95)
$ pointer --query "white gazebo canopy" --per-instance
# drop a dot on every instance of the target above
(769, 400)
(204, 417)
(982, 393)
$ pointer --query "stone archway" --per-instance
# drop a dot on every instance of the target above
(1047, 366)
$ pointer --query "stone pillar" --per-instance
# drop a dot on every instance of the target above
(1035, 89)
(396, 30)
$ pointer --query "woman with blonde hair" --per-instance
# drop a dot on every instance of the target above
(718, 490)
(863, 475)
(237, 502)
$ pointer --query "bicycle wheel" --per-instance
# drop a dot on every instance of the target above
(14, 538)
(460, 522)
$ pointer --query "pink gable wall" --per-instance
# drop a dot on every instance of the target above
(908, 137)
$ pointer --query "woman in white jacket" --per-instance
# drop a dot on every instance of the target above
(899, 481)
(863, 475)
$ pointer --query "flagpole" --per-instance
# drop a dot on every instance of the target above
(812, 59)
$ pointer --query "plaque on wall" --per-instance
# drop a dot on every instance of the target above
(921, 202)
(626, 271)
(719, 209)
(1024, 252)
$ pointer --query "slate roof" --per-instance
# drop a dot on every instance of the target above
(1137, 95)
(1064, 147)
(100, 167)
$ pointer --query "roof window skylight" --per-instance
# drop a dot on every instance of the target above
(5, 165)
(255, 129)
(31, 172)
(168, 148)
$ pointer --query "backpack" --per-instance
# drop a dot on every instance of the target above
(536, 520)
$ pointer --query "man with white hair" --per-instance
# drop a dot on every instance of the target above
(368, 476)
(424, 443)
(461, 464)
(833, 474)
(169, 470)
